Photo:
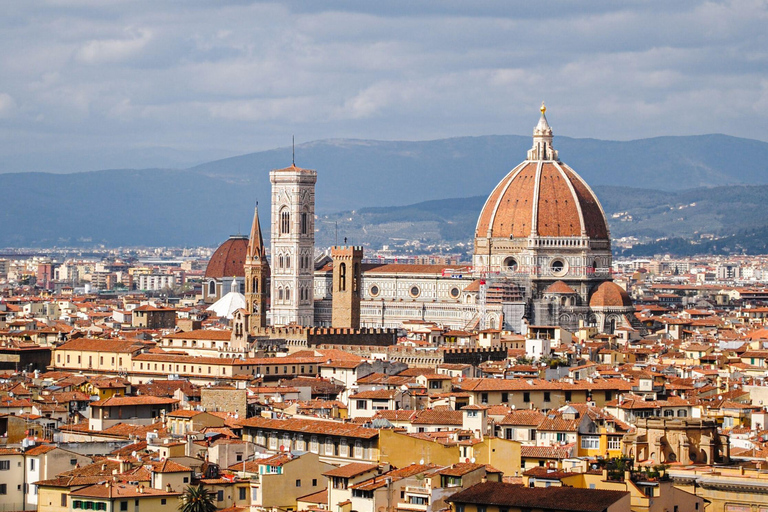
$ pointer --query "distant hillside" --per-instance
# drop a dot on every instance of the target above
(204, 204)
(360, 173)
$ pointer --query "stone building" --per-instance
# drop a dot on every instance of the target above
(685, 440)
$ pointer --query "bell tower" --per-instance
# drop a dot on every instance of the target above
(293, 246)
(347, 274)
(256, 278)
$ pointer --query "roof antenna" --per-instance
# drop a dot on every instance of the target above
(293, 150)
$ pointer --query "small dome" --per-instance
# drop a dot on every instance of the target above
(559, 287)
(610, 295)
(229, 259)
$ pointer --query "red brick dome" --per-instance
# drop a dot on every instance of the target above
(229, 259)
(610, 295)
(559, 287)
(542, 198)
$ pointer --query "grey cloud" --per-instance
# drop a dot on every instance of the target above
(243, 76)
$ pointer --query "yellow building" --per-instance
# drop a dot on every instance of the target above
(401, 450)
(95, 355)
(114, 497)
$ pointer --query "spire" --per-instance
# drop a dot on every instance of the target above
(542, 139)
(256, 242)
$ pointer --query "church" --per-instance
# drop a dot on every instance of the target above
(542, 256)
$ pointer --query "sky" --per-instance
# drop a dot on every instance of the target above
(89, 84)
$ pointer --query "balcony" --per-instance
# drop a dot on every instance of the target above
(416, 490)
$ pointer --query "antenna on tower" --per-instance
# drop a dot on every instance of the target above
(293, 150)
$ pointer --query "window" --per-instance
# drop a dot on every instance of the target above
(243, 492)
(314, 482)
(362, 404)
(546, 396)
(220, 496)
(73, 462)
(31, 464)
(415, 291)
(614, 443)
(285, 222)
(304, 223)
(298, 483)
(5, 465)
(163, 501)
(342, 277)
(186, 479)
(567, 396)
(526, 396)
(504, 398)
(590, 442)
(510, 265)
(484, 398)
(63, 500)
(123, 506)
(3, 488)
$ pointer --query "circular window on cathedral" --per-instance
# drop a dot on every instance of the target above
(510, 264)
(415, 291)
(558, 267)
(374, 291)
(455, 292)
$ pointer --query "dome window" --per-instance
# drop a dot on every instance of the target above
(511, 265)
(454, 293)
(558, 267)
(415, 291)
(374, 291)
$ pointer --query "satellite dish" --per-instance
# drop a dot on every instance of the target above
(421, 462)
(472, 460)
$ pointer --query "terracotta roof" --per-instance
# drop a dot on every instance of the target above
(609, 294)
(120, 401)
(229, 259)
(98, 345)
(351, 470)
(312, 427)
(460, 469)
(559, 287)
(563, 205)
(119, 491)
(566, 499)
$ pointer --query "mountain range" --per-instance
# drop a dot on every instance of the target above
(652, 188)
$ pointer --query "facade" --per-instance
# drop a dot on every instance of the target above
(293, 246)
(542, 256)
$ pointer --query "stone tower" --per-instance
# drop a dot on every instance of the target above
(347, 275)
(256, 278)
(293, 246)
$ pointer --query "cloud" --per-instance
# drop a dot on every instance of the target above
(103, 51)
(242, 76)
(7, 105)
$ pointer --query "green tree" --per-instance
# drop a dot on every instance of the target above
(197, 499)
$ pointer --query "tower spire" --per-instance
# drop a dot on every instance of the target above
(542, 139)
(256, 241)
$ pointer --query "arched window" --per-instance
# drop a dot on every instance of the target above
(304, 223)
(255, 285)
(287, 294)
(354, 277)
(212, 288)
(287, 262)
(342, 277)
(279, 294)
(280, 261)
(285, 222)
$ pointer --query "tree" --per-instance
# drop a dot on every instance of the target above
(197, 499)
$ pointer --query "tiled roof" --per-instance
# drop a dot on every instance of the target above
(565, 499)
(351, 470)
(121, 401)
(305, 426)
(201, 334)
(229, 259)
(98, 345)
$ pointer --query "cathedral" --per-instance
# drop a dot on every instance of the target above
(542, 256)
